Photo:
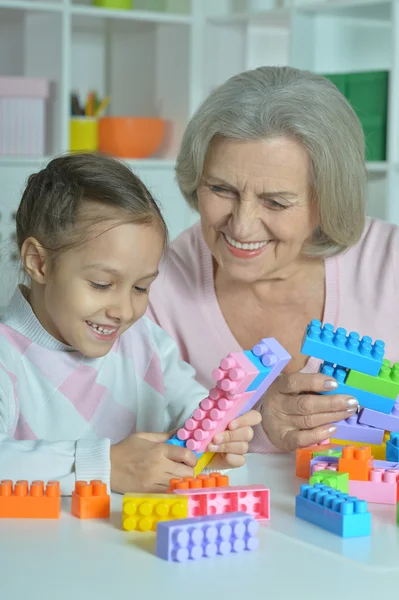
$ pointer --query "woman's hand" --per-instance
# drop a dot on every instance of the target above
(232, 444)
(295, 415)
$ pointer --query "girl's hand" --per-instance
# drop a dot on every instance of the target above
(295, 415)
(231, 445)
(144, 463)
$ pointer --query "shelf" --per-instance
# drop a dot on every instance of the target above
(131, 15)
(272, 18)
(362, 9)
(31, 6)
(377, 167)
(38, 161)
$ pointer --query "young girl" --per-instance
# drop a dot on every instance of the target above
(83, 374)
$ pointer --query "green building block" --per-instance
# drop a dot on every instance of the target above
(338, 481)
(331, 452)
(386, 383)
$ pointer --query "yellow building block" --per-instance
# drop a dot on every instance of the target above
(141, 512)
(377, 451)
(203, 462)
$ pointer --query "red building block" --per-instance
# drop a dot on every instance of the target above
(90, 500)
(358, 462)
(20, 501)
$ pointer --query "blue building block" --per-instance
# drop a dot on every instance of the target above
(334, 511)
(338, 348)
(206, 537)
(365, 399)
(392, 448)
(174, 441)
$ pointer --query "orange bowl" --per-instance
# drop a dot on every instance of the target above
(130, 137)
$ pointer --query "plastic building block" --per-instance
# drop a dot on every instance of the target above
(254, 500)
(379, 452)
(335, 480)
(270, 358)
(377, 419)
(90, 500)
(339, 348)
(386, 383)
(38, 501)
(382, 487)
(305, 455)
(351, 429)
(334, 511)
(142, 512)
(392, 453)
(385, 465)
(357, 462)
(203, 461)
(212, 480)
(331, 453)
(323, 463)
(397, 514)
(235, 374)
(206, 537)
(365, 399)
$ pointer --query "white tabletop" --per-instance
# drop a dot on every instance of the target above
(69, 559)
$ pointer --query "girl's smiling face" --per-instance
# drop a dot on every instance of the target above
(97, 290)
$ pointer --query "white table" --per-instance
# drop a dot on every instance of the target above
(69, 559)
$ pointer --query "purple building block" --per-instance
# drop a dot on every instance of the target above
(375, 418)
(199, 537)
(352, 430)
(271, 354)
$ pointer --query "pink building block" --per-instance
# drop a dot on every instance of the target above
(235, 374)
(323, 466)
(351, 429)
(382, 487)
(253, 500)
(377, 419)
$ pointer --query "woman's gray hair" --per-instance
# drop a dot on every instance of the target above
(282, 101)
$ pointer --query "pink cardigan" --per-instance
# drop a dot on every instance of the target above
(362, 294)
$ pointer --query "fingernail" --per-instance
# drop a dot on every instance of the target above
(212, 447)
(218, 439)
(352, 402)
(331, 429)
(331, 384)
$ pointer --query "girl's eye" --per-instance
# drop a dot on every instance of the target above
(100, 286)
(140, 290)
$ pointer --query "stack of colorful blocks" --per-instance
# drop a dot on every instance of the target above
(220, 519)
(340, 475)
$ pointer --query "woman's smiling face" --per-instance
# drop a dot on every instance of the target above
(255, 205)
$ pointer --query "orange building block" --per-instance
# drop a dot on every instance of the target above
(305, 455)
(20, 501)
(91, 500)
(201, 481)
(358, 462)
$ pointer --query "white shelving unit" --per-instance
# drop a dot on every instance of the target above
(164, 64)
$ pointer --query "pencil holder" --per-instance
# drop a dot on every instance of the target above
(117, 4)
(83, 134)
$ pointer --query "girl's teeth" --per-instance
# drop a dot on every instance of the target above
(100, 328)
(245, 246)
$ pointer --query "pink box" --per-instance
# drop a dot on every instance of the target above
(23, 116)
(382, 487)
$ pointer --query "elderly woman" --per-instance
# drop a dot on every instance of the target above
(273, 161)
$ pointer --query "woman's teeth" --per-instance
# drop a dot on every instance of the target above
(245, 246)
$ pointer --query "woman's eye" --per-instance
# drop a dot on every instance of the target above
(274, 205)
(140, 290)
(217, 189)
(100, 286)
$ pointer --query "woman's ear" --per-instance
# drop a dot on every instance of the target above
(35, 260)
